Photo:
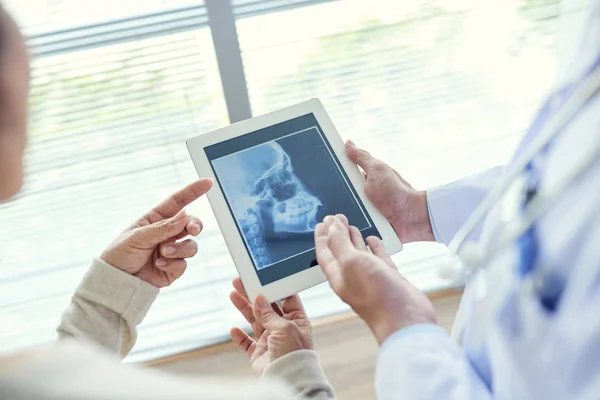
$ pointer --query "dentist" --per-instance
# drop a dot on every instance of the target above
(528, 326)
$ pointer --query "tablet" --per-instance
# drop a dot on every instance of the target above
(276, 176)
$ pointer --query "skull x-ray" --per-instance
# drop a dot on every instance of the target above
(268, 200)
(278, 190)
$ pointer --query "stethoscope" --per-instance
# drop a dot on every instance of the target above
(466, 258)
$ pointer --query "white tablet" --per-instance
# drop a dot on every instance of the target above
(277, 176)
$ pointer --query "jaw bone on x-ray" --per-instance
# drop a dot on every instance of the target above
(268, 200)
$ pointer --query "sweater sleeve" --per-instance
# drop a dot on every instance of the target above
(302, 370)
(106, 308)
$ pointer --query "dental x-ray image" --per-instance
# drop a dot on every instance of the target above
(279, 190)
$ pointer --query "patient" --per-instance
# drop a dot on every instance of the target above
(99, 327)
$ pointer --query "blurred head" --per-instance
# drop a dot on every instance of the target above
(14, 93)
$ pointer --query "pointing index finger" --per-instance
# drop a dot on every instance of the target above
(324, 256)
(339, 241)
(179, 200)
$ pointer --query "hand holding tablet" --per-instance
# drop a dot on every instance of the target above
(277, 176)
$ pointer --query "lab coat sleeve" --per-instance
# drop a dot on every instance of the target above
(422, 362)
(538, 354)
(451, 205)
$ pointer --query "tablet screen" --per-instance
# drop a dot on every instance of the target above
(279, 182)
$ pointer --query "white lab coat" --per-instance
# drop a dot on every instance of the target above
(515, 348)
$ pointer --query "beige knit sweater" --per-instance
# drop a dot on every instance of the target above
(99, 328)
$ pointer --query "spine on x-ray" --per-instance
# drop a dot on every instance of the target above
(255, 240)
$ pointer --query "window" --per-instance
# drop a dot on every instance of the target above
(438, 88)
(408, 79)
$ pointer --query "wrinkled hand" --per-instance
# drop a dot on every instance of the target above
(277, 330)
(369, 282)
(402, 205)
(151, 248)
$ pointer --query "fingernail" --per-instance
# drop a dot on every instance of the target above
(351, 143)
(161, 262)
(328, 220)
(168, 250)
(198, 228)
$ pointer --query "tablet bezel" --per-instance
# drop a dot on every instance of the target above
(307, 278)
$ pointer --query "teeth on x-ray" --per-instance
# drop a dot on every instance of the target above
(298, 214)
(278, 202)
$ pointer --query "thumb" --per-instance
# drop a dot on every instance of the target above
(158, 232)
(265, 314)
(361, 157)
